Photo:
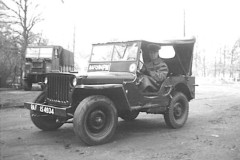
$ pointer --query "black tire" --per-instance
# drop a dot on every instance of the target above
(44, 122)
(42, 87)
(95, 120)
(129, 116)
(177, 112)
(27, 86)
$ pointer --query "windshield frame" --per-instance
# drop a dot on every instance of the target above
(115, 50)
(39, 52)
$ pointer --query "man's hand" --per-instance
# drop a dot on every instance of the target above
(151, 73)
(144, 70)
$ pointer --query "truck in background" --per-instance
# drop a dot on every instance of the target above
(41, 60)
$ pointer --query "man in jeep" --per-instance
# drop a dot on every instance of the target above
(155, 71)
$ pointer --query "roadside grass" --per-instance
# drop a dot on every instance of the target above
(15, 98)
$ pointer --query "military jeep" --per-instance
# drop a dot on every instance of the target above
(110, 89)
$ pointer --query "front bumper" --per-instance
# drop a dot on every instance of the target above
(51, 110)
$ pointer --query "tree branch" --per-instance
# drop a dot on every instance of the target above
(11, 22)
(33, 21)
(5, 5)
(3, 15)
(19, 4)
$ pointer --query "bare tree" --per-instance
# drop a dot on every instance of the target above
(197, 59)
(225, 64)
(22, 17)
(204, 66)
(215, 67)
(235, 58)
(224, 54)
(8, 54)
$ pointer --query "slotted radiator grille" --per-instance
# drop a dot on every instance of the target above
(59, 89)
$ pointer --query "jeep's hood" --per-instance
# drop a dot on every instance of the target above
(107, 78)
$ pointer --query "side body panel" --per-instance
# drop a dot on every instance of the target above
(184, 84)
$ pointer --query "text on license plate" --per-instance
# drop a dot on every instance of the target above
(42, 108)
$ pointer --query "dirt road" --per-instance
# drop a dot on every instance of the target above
(212, 132)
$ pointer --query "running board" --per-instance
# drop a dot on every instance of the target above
(150, 108)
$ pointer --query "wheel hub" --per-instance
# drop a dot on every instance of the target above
(96, 121)
(178, 110)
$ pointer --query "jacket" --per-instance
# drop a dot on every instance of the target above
(157, 69)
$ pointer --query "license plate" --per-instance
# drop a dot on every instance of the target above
(42, 108)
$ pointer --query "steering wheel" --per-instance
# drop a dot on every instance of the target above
(143, 69)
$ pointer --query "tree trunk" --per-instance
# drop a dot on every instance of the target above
(204, 67)
(215, 68)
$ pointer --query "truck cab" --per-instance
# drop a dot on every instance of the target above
(41, 60)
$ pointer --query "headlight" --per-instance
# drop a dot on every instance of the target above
(45, 80)
(74, 82)
(132, 67)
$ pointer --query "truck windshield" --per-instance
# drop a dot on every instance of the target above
(115, 52)
(39, 53)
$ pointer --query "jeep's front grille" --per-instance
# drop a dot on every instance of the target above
(59, 89)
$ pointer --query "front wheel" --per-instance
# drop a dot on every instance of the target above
(95, 120)
(44, 122)
(177, 112)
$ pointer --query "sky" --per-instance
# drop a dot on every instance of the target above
(213, 23)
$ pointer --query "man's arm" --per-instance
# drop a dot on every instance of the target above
(144, 70)
(161, 73)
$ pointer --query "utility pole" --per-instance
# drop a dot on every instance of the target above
(74, 35)
(184, 26)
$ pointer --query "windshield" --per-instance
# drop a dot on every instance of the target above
(115, 52)
(39, 53)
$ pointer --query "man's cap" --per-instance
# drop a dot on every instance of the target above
(153, 47)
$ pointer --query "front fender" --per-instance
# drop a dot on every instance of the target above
(115, 92)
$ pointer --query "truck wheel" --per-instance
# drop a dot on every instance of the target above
(27, 86)
(42, 87)
(129, 116)
(95, 120)
(177, 112)
(44, 122)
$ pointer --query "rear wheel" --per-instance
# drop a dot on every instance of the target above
(44, 121)
(177, 112)
(129, 116)
(95, 120)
